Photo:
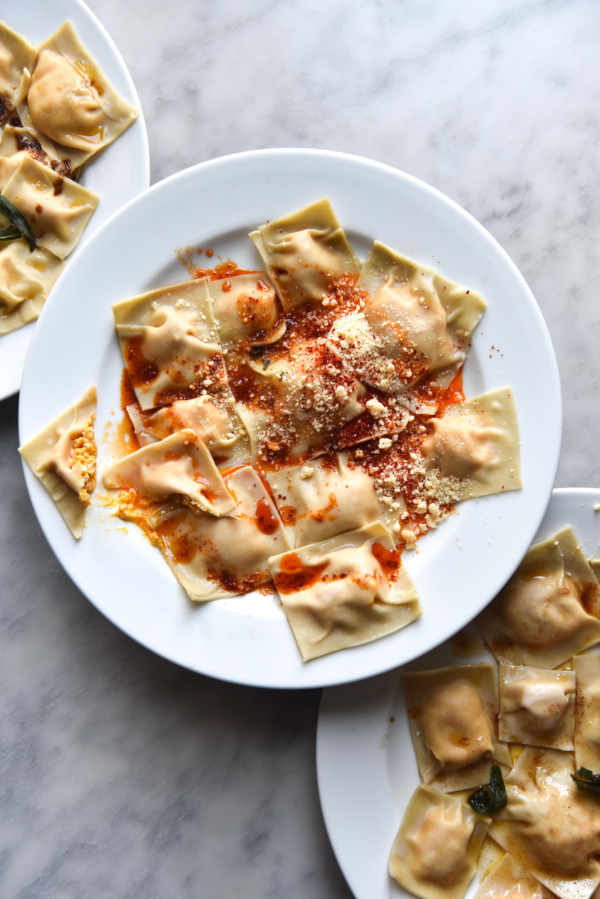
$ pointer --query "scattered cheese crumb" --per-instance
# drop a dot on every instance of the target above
(376, 408)
(385, 443)
(306, 472)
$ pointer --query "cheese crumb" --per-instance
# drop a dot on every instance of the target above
(385, 443)
(376, 408)
(306, 472)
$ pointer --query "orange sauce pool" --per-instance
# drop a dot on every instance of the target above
(295, 576)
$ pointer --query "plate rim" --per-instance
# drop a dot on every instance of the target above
(252, 678)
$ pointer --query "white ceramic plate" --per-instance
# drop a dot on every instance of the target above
(214, 205)
(117, 175)
(365, 760)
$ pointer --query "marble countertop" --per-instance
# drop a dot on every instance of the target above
(123, 776)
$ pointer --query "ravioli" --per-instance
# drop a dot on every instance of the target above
(453, 714)
(70, 100)
(434, 854)
(548, 826)
(212, 419)
(56, 209)
(16, 55)
(537, 706)
(170, 344)
(477, 444)
(587, 715)
(179, 465)
(214, 558)
(17, 142)
(507, 880)
(246, 309)
(421, 318)
(304, 252)
(345, 591)
(325, 498)
(63, 457)
(550, 608)
(26, 279)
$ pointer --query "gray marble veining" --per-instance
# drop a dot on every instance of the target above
(122, 775)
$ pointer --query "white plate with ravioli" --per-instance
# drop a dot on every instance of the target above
(116, 175)
(457, 566)
(366, 765)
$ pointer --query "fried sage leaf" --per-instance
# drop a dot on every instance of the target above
(491, 798)
(18, 226)
(586, 780)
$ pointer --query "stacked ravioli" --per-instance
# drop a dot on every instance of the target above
(301, 425)
(539, 726)
(57, 110)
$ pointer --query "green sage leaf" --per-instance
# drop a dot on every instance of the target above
(586, 780)
(20, 226)
(10, 233)
(491, 798)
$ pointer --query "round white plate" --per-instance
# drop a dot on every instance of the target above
(214, 205)
(365, 759)
(117, 175)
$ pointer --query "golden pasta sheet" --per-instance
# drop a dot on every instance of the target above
(507, 880)
(324, 498)
(537, 706)
(476, 445)
(212, 419)
(246, 309)
(179, 466)
(345, 591)
(16, 55)
(435, 851)
(418, 316)
(453, 719)
(26, 279)
(304, 252)
(215, 558)
(587, 713)
(70, 100)
(63, 457)
(548, 826)
(549, 609)
(170, 345)
(57, 209)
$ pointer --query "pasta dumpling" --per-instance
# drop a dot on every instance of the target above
(70, 100)
(549, 609)
(63, 457)
(246, 309)
(25, 281)
(347, 590)
(16, 55)
(587, 716)
(508, 880)
(56, 209)
(435, 851)
(179, 465)
(548, 826)
(477, 444)
(304, 252)
(537, 706)
(453, 714)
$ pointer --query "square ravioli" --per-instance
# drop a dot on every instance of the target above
(421, 318)
(26, 279)
(170, 344)
(507, 880)
(89, 115)
(587, 711)
(246, 310)
(327, 497)
(475, 446)
(453, 719)
(550, 608)
(214, 558)
(436, 848)
(56, 209)
(345, 591)
(304, 252)
(16, 55)
(548, 826)
(63, 457)
(537, 706)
